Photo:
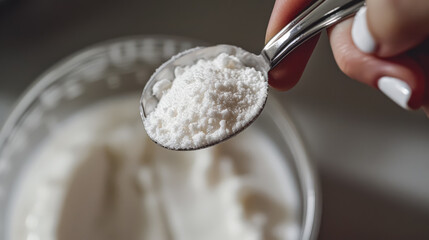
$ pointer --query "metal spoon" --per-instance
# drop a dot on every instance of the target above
(318, 16)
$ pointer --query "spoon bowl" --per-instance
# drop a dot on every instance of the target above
(149, 100)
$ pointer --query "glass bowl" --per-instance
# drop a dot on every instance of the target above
(119, 67)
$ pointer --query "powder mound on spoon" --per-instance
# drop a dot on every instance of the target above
(206, 102)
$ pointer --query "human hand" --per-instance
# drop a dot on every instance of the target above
(385, 45)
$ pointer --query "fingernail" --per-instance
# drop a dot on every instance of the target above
(395, 89)
(361, 35)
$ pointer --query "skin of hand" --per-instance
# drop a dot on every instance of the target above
(388, 49)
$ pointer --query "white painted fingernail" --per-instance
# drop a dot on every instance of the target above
(395, 89)
(361, 35)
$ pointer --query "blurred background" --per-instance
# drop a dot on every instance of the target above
(372, 156)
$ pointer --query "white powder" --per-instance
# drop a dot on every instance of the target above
(206, 102)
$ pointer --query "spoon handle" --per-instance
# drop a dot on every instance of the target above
(318, 16)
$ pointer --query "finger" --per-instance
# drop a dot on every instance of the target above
(285, 75)
(288, 72)
(400, 78)
(390, 27)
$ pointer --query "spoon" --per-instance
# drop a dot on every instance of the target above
(318, 16)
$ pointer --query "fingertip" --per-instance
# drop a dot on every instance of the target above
(282, 78)
(410, 72)
(388, 28)
(396, 89)
(361, 35)
(288, 72)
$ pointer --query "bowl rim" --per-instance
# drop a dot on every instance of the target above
(308, 177)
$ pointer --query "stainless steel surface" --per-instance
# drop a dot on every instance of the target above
(318, 16)
(117, 68)
(372, 156)
(149, 101)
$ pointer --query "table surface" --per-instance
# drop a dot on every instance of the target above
(372, 156)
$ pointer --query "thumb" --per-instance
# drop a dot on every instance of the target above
(390, 27)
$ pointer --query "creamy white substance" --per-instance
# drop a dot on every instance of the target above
(99, 177)
(206, 102)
